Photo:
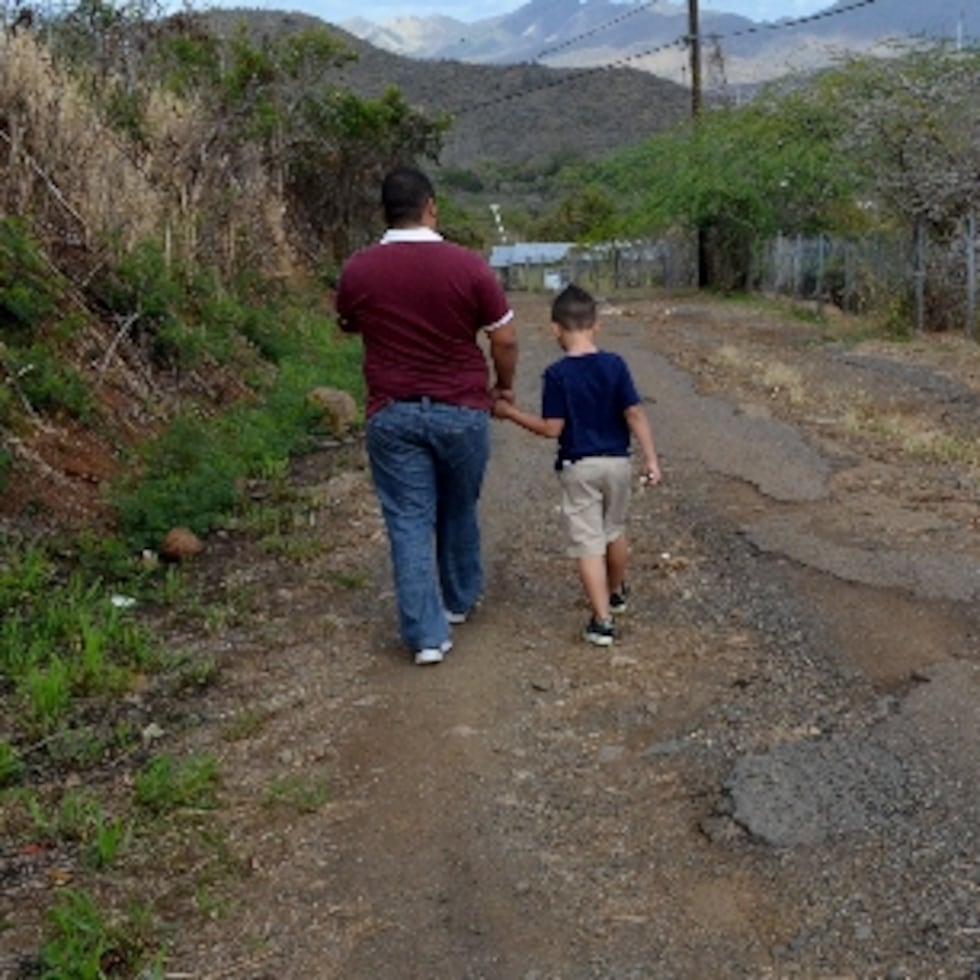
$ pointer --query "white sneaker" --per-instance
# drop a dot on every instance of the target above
(433, 655)
(456, 619)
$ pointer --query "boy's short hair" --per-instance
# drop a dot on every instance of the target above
(574, 309)
(404, 192)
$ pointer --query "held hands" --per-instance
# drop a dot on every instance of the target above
(503, 402)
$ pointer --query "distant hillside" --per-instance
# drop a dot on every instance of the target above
(503, 113)
(575, 33)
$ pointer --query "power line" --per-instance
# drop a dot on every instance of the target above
(682, 41)
(779, 25)
(595, 30)
(572, 76)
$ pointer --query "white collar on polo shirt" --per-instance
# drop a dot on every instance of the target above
(420, 234)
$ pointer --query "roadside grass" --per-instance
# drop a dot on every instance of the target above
(197, 473)
(86, 943)
(305, 794)
(129, 829)
(782, 380)
(859, 416)
(912, 435)
(119, 851)
(775, 377)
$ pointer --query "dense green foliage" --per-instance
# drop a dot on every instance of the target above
(191, 475)
(873, 143)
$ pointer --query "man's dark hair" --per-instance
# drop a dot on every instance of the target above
(404, 192)
(574, 309)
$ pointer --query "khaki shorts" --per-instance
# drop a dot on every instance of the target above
(595, 498)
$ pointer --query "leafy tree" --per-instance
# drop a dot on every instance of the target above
(914, 129)
(322, 147)
(741, 174)
(339, 148)
(738, 175)
(583, 215)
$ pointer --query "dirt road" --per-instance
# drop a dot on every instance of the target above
(775, 773)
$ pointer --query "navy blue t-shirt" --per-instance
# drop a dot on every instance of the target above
(590, 392)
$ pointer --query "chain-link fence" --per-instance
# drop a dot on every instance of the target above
(927, 279)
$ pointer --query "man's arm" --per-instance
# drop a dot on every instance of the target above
(639, 424)
(342, 304)
(503, 353)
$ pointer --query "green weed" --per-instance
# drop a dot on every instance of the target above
(86, 746)
(46, 691)
(11, 765)
(106, 841)
(173, 587)
(26, 294)
(63, 639)
(292, 547)
(192, 474)
(349, 580)
(299, 792)
(84, 944)
(78, 814)
(246, 724)
(196, 674)
(47, 382)
(164, 784)
(6, 457)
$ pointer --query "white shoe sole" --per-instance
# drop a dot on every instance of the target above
(598, 641)
(433, 655)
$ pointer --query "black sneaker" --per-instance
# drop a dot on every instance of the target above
(599, 632)
(619, 600)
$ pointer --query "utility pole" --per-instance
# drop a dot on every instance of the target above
(694, 40)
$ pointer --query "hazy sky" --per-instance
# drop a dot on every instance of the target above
(336, 11)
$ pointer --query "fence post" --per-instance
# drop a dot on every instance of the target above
(971, 275)
(821, 263)
(920, 275)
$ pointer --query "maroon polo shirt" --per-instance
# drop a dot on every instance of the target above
(419, 303)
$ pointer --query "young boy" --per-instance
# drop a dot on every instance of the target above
(591, 406)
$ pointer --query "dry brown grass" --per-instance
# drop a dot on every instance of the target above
(778, 379)
(83, 185)
(63, 166)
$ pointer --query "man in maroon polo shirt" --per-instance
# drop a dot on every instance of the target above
(420, 304)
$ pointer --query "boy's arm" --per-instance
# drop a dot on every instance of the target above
(549, 428)
(639, 424)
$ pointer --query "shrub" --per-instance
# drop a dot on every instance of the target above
(164, 784)
(48, 383)
(27, 296)
(191, 474)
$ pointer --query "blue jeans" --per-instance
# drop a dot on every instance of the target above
(427, 461)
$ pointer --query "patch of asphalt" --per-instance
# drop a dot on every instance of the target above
(808, 791)
(931, 576)
(875, 798)
(763, 451)
(938, 725)
(860, 809)
(913, 377)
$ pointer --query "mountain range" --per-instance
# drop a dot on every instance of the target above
(516, 115)
(511, 106)
(649, 36)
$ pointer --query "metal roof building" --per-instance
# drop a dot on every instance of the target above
(529, 253)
